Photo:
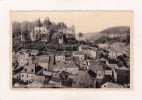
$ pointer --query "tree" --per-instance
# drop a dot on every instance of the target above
(61, 25)
(80, 35)
(37, 23)
(16, 30)
(24, 29)
(47, 23)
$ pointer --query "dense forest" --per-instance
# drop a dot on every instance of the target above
(115, 34)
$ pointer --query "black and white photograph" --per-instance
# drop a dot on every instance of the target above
(71, 49)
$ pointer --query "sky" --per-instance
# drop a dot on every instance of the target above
(84, 21)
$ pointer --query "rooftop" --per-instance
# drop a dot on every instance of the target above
(34, 51)
(66, 65)
(113, 85)
(78, 53)
(44, 59)
(84, 46)
(29, 69)
(97, 66)
(60, 54)
(112, 61)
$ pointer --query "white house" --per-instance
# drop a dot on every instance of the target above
(112, 54)
(22, 60)
(69, 67)
(93, 53)
(79, 54)
(27, 74)
(34, 52)
(103, 45)
(43, 62)
(108, 71)
(60, 57)
(112, 63)
(85, 49)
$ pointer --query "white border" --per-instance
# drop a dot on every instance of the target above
(7, 5)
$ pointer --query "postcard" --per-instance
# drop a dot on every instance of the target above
(71, 49)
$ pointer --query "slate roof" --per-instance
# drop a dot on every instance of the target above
(65, 65)
(28, 69)
(98, 66)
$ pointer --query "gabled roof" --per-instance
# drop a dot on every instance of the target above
(60, 54)
(94, 48)
(65, 65)
(34, 51)
(97, 66)
(78, 53)
(28, 69)
(112, 61)
(69, 58)
(18, 70)
(44, 59)
(84, 46)
(113, 85)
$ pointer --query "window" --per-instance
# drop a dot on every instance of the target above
(22, 75)
(25, 70)
(32, 70)
(27, 76)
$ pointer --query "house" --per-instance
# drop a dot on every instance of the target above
(43, 62)
(16, 74)
(69, 67)
(39, 33)
(99, 53)
(103, 45)
(93, 52)
(22, 60)
(69, 59)
(85, 49)
(108, 71)
(79, 54)
(122, 76)
(60, 57)
(98, 68)
(27, 73)
(112, 54)
(112, 63)
(54, 82)
(34, 52)
(111, 85)
(83, 80)
(29, 60)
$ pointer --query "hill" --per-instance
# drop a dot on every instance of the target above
(117, 30)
